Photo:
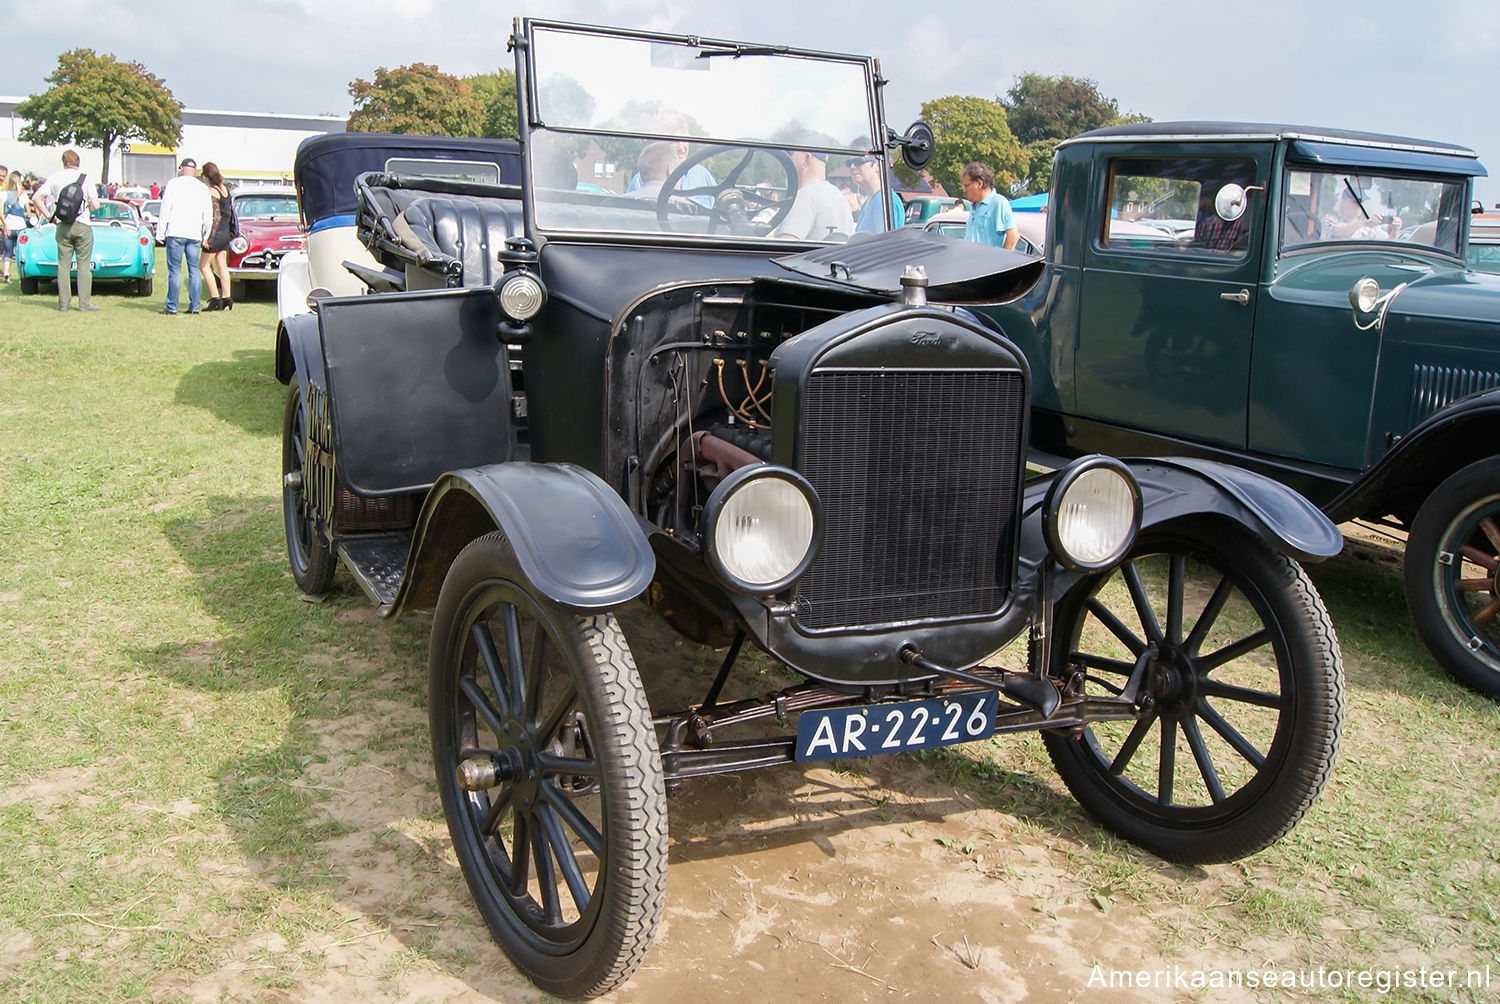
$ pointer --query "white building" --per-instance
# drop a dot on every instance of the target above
(247, 146)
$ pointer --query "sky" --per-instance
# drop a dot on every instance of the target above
(1392, 66)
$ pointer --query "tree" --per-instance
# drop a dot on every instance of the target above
(1038, 174)
(419, 99)
(96, 101)
(966, 129)
(1059, 107)
(496, 94)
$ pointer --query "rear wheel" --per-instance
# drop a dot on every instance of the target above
(1452, 572)
(1241, 700)
(549, 773)
(311, 558)
(29, 285)
(143, 286)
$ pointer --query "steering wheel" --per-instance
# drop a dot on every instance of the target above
(734, 204)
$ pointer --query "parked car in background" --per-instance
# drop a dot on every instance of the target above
(150, 212)
(134, 195)
(1033, 227)
(1318, 323)
(546, 403)
(269, 230)
(124, 250)
(1483, 252)
(921, 208)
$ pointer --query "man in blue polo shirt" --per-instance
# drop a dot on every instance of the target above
(990, 221)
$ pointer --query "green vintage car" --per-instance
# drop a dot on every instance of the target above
(1310, 316)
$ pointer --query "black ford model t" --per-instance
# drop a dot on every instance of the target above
(667, 366)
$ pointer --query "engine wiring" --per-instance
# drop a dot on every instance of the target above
(742, 411)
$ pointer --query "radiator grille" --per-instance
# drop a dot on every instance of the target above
(1433, 388)
(918, 474)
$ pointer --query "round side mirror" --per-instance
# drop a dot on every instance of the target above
(917, 146)
(1230, 202)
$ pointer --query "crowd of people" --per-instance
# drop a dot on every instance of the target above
(196, 223)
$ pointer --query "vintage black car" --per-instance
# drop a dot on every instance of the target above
(557, 397)
(1305, 312)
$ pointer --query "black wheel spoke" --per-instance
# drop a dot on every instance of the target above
(481, 702)
(536, 673)
(514, 660)
(546, 874)
(1116, 627)
(1176, 575)
(520, 854)
(576, 820)
(1249, 643)
(500, 802)
(555, 766)
(1245, 695)
(1143, 608)
(1208, 617)
(484, 641)
(1205, 762)
(1166, 765)
(1231, 735)
(548, 727)
(1108, 665)
(567, 861)
(1130, 745)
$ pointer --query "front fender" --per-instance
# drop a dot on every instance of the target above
(1182, 486)
(1178, 487)
(576, 542)
(299, 349)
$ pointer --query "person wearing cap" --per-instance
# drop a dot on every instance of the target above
(871, 219)
(187, 212)
(990, 221)
(819, 211)
(1359, 219)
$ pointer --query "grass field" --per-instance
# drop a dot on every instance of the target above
(212, 789)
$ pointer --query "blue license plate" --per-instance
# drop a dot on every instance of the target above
(841, 733)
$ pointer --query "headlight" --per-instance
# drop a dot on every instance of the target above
(521, 295)
(239, 245)
(1092, 514)
(761, 527)
(1364, 295)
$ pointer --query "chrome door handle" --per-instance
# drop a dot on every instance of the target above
(1242, 297)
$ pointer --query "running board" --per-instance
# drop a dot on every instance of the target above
(378, 562)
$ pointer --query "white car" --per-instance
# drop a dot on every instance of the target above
(1033, 227)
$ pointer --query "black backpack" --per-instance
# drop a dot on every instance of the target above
(69, 202)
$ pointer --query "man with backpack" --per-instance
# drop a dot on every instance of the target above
(67, 199)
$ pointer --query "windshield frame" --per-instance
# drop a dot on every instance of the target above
(536, 134)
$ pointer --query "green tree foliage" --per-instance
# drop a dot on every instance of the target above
(96, 101)
(417, 99)
(1038, 174)
(496, 94)
(966, 129)
(1057, 108)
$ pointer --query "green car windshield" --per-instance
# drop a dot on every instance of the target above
(1339, 206)
(614, 117)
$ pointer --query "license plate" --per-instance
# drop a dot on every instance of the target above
(841, 733)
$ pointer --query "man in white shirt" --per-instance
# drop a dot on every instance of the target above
(75, 239)
(819, 210)
(187, 212)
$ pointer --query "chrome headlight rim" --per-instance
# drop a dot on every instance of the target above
(1057, 496)
(731, 488)
(520, 294)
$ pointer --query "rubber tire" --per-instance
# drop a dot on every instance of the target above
(1458, 503)
(143, 286)
(1303, 747)
(604, 945)
(30, 285)
(309, 555)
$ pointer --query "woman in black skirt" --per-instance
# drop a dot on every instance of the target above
(215, 257)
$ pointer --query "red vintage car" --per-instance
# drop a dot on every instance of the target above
(269, 228)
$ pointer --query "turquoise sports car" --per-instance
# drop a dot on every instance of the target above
(124, 249)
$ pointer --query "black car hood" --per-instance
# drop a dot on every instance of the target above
(957, 271)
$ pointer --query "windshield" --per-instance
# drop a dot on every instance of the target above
(266, 205)
(1337, 206)
(645, 135)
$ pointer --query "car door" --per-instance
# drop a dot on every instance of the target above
(1168, 293)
